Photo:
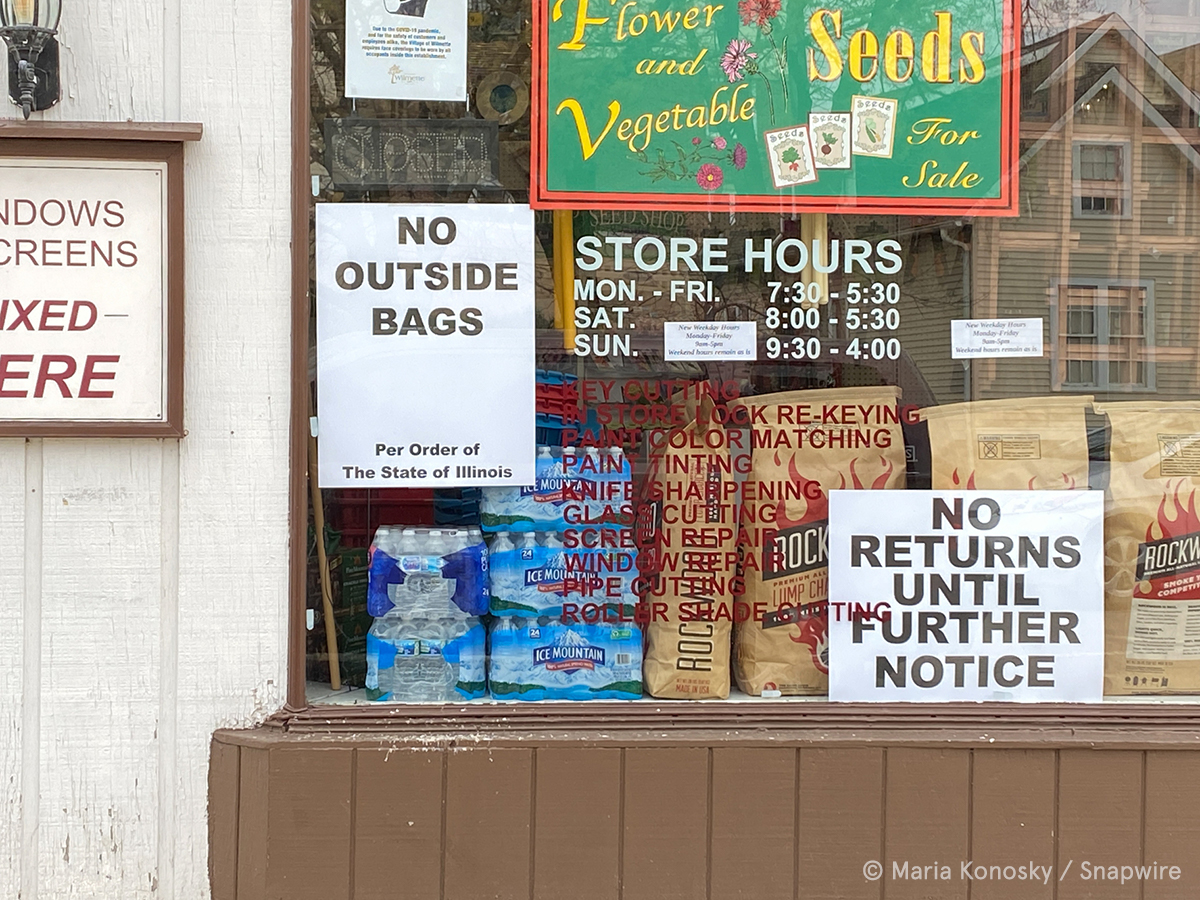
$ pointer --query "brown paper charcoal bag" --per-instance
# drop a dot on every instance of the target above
(1152, 549)
(686, 523)
(804, 444)
(1027, 443)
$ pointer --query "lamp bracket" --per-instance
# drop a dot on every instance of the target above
(47, 89)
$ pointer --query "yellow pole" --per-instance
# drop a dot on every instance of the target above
(558, 270)
(816, 225)
(568, 279)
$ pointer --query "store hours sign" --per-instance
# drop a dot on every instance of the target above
(944, 595)
(758, 104)
(425, 345)
(90, 295)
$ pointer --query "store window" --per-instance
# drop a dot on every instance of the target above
(831, 267)
(1101, 187)
(1105, 332)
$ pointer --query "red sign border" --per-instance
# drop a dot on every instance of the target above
(541, 197)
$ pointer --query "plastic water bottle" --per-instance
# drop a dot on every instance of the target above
(432, 674)
(412, 597)
(462, 539)
(434, 595)
(549, 469)
(433, 543)
(382, 539)
(406, 542)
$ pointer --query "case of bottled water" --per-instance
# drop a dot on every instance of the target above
(413, 660)
(428, 572)
(427, 589)
(538, 507)
(533, 573)
(528, 572)
(547, 659)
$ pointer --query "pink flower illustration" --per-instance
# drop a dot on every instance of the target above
(696, 142)
(758, 11)
(736, 58)
(710, 177)
(739, 157)
(719, 142)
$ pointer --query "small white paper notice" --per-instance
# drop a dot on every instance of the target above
(983, 338)
(710, 340)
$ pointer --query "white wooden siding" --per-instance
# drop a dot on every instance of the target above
(143, 583)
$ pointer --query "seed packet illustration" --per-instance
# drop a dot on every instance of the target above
(790, 156)
(874, 126)
(830, 134)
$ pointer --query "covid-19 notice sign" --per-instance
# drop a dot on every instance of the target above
(425, 345)
(947, 595)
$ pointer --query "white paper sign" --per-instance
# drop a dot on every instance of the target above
(710, 340)
(406, 49)
(83, 317)
(989, 338)
(425, 345)
(947, 595)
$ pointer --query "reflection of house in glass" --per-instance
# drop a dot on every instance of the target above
(1107, 245)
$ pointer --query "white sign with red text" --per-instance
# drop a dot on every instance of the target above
(83, 312)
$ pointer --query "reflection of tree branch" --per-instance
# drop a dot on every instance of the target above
(1042, 18)
(327, 47)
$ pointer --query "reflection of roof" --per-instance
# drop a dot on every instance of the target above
(1114, 77)
(1039, 51)
(1112, 23)
(1100, 27)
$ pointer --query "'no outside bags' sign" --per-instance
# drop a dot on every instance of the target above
(425, 345)
(946, 595)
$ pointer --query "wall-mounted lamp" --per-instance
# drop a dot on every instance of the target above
(28, 28)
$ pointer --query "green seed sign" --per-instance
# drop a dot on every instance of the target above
(766, 105)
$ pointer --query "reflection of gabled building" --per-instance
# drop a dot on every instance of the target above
(1107, 245)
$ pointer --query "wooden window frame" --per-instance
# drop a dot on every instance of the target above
(1120, 189)
(148, 142)
(1127, 723)
(1059, 350)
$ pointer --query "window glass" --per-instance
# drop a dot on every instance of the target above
(674, 544)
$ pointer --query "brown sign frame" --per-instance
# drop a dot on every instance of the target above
(149, 142)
